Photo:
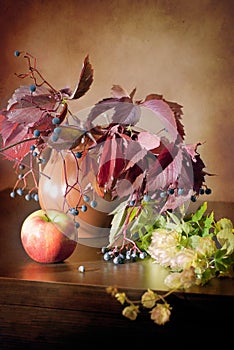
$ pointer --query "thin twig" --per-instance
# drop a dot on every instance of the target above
(17, 143)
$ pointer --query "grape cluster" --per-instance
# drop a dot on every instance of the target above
(122, 255)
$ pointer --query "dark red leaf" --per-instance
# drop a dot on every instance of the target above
(18, 152)
(119, 111)
(85, 81)
(42, 100)
(199, 173)
(168, 112)
(148, 140)
(118, 92)
(165, 157)
(107, 161)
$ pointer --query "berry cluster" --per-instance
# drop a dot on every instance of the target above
(123, 254)
(202, 191)
(75, 211)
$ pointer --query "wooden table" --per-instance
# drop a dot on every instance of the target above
(54, 306)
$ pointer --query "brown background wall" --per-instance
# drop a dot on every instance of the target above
(181, 49)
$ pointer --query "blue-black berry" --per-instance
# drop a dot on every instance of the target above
(13, 194)
(17, 53)
(32, 87)
(84, 208)
(36, 133)
(193, 198)
(56, 121)
(208, 191)
(78, 155)
(93, 204)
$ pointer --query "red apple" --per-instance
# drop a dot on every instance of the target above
(48, 236)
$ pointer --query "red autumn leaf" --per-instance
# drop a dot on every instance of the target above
(118, 111)
(85, 80)
(16, 132)
(177, 110)
(118, 92)
(6, 128)
(134, 153)
(166, 174)
(41, 99)
(111, 160)
(197, 164)
(199, 173)
(27, 109)
(192, 150)
(11, 134)
(168, 112)
(100, 108)
(20, 151)
(148, 140)
(126, 113)
(135, 172)
(165, 157)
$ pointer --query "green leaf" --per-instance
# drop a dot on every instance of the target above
(133, 214)
(209, 221)
(117, 222)
(186, 227)
(174, 218)
(225, 223)
(220, 253)
(223, 261)
(197, 216)
(207, 275)
(226, 239)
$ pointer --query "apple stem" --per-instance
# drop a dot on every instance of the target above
(47, 217)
